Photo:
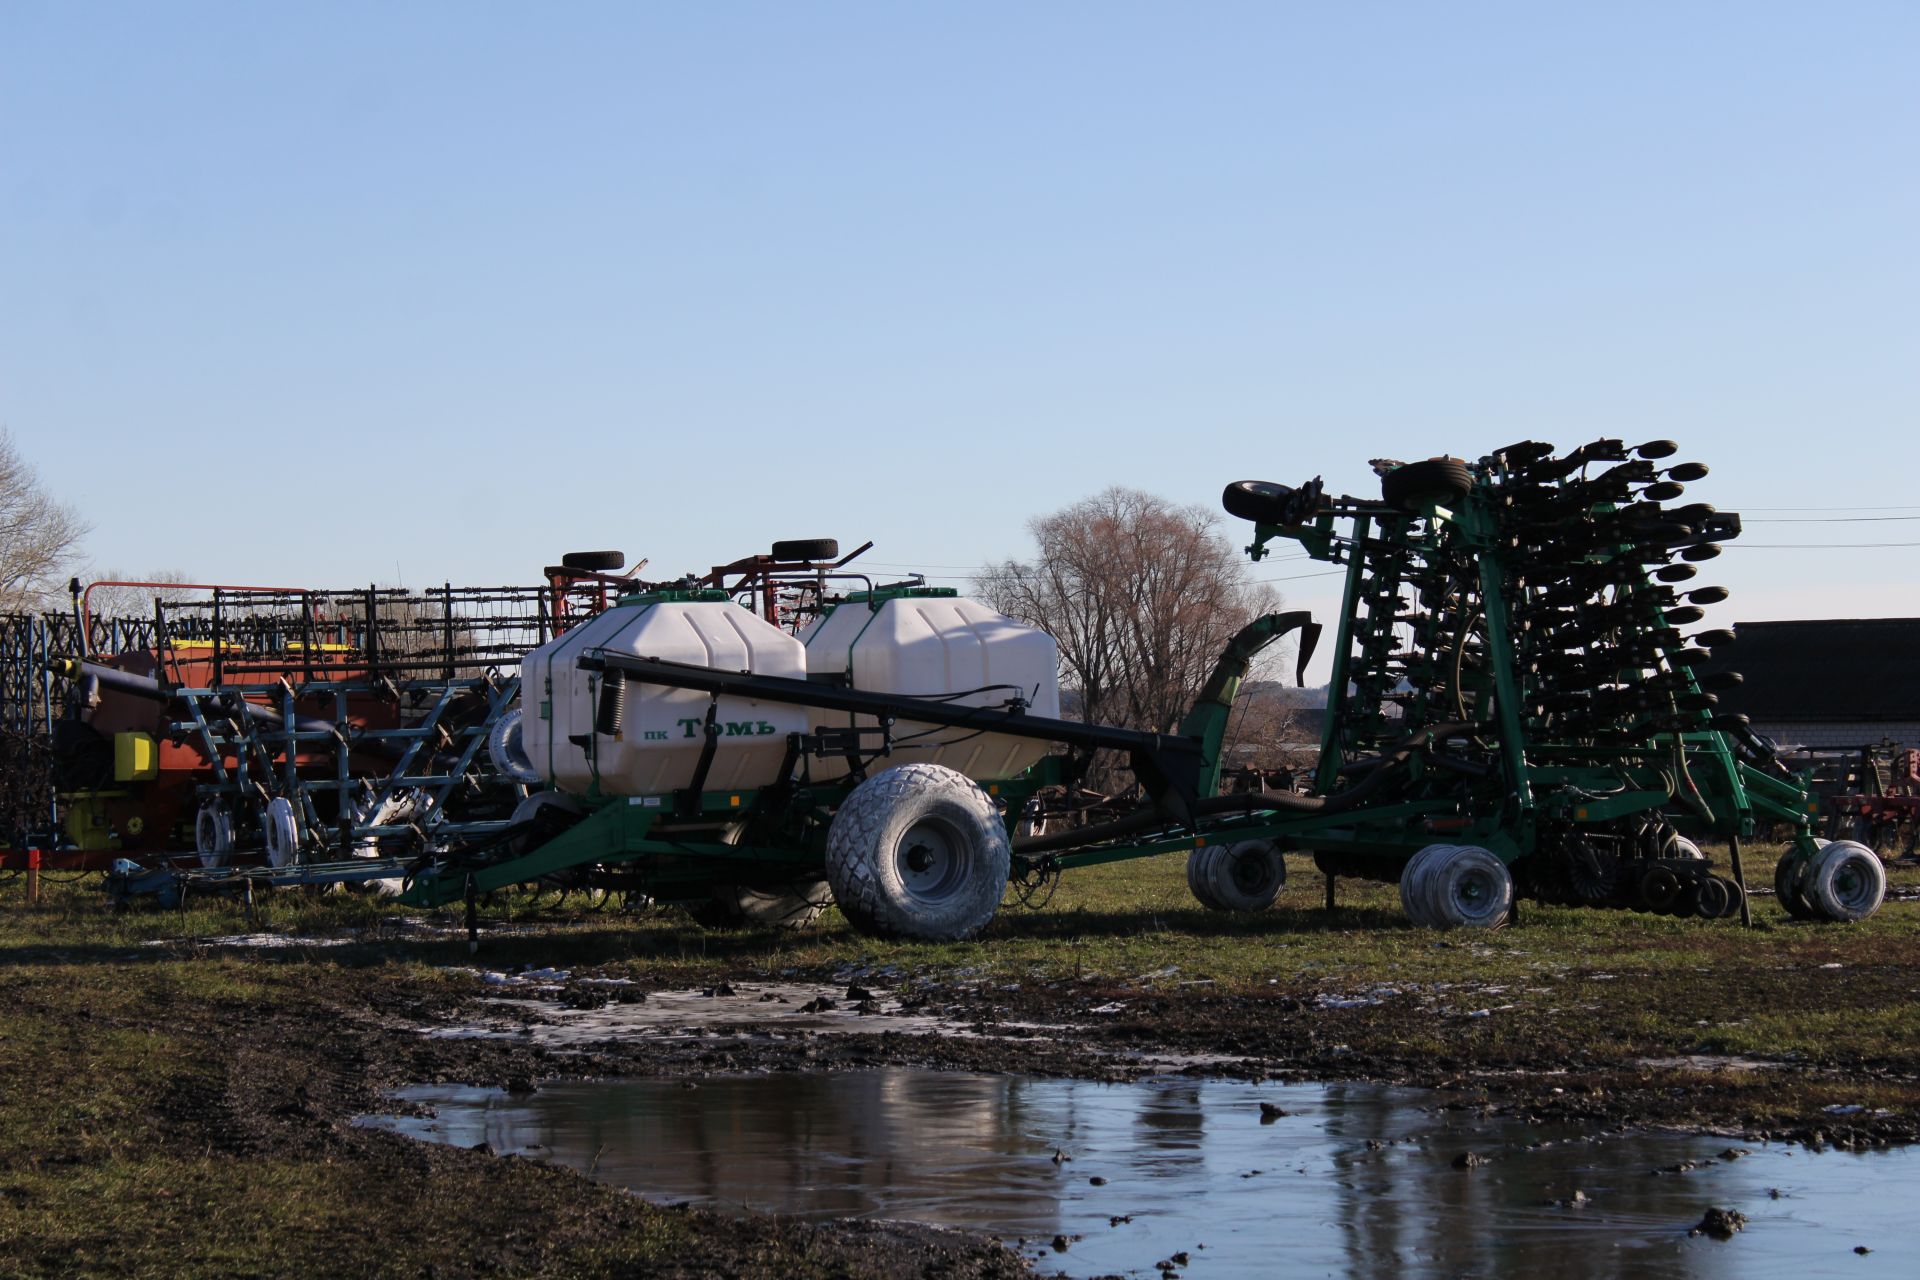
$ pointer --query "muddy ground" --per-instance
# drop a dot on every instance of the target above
(183, 1102)
(246, 1161)
(1106, 1031)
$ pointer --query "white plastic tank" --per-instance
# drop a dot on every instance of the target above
(929, 641)
(662, 730)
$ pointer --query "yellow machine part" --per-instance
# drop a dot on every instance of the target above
(292, 646)
(87, 824)
(136, 757)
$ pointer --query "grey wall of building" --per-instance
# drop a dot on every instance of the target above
(1840, 733)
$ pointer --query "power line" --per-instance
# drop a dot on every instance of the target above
(979, 569)
(887, 564)
(964, 577)
(1849, 508)
(1814, 546)
(1825, 519)
(1330, 573)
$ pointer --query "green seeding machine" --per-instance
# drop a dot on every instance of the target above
(1516, 710)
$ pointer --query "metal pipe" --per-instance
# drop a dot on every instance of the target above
(1740, 882)
(139, 686)
(1011, 721)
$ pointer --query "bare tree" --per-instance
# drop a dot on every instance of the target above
(1141, 596)
(1269, 732)
(39, 538)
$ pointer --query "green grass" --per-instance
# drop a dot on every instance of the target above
(1117, 925)
(1116, 922)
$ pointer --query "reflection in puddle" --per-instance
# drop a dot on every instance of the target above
(1356, 1179)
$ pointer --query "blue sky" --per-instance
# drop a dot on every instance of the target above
(340, 293)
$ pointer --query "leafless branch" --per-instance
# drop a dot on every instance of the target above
(39, 537)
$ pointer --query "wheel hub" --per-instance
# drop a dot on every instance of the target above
(929, 862)
(1249, 873)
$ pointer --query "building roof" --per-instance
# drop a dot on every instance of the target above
(1864, 669)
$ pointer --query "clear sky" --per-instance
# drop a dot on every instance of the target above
(335, 293)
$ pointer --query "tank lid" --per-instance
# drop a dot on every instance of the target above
(884, 594)
(676, 595)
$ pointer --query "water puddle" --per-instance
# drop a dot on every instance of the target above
(1352, 1179)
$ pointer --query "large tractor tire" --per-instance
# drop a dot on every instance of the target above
(1470, 889)
(918, 851)
(1412, 893)
(539, 818)
(1246, 876)
(1441, 480)
(282, 828)
(594, 561)
(1200, 878)
(1456, 887)
(1787, 879)
(1264, 502)
(808, 549)
(213, 834)
(1847, 882)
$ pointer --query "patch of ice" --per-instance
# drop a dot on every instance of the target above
(752, 1010)
(529, 977)
(1709, 1062)
(1363, 999)
(263, 941)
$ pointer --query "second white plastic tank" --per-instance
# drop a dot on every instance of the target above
(929, 641)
